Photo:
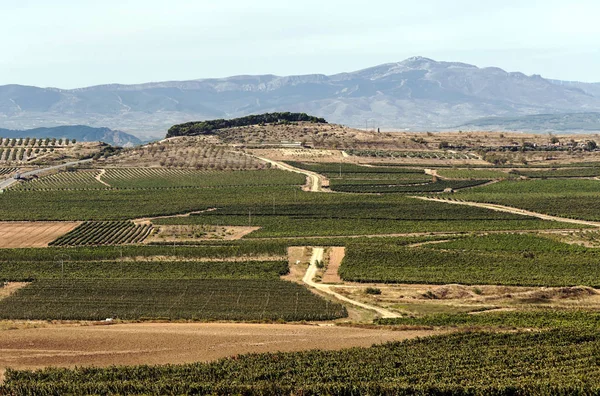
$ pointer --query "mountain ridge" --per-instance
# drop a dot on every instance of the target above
(418, 93)
(81, 133)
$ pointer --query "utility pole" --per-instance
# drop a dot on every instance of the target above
(249, 218)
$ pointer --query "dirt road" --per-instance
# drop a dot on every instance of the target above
(508, 209)
(317, 255)
(99, 177)
(161, 343)
(314, 180)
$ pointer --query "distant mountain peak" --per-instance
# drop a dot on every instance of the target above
(419, 93)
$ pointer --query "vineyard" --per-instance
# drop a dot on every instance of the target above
(162, 178)
(20, 150)
(560, 172)
(74, 180)
(435, 155)
(556, 362)
(246, 249)
(522, 265)
(432, 187)
(26, 271)
(152, 178)
(7, 171)
(538, 318)
(370, 179)
(478, 174)
(105, 233)
(571, 198)
(196, 299)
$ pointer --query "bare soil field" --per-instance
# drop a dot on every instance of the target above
(10, 287)
(32, 234)
(336, 255)
(181, 233)
(161, 343)
(428, 299)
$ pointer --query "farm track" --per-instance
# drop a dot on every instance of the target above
(99, 178)
(508, 209)
(317, 255)
(314, 182)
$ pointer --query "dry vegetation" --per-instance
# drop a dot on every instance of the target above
(182, 233)
(197, 152)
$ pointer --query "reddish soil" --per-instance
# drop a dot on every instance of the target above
(160, 343)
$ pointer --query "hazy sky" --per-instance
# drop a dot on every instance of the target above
(68, 43)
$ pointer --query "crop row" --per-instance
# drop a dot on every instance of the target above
(537, 318)
(557, 362)
(159, 178)
(571, 198)
(192, 299)
(25, 271)
(412, 154)
(436, 265)
(7, 171)
(281, 210)
(345, 168)
(475, 174)
(560, 172)
(247, 249)
(437, 186)
(33, 142)
(105, 233)
(81, 179)
(150, 177)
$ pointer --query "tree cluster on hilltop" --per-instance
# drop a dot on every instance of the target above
(209, 127)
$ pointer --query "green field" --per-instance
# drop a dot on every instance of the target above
(172, 299)
(23, 271)
(521, 264)
(573, 198)
(157, 178)
(477, 174)
(528, 319)
(558, 362)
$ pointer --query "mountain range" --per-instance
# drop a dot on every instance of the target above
(80, 133)
(417, 94)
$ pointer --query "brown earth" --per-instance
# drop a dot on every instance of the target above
(298, 260)
(32, 234)
(161, 343)
(336, 255)
(10, 287)
(181, 233)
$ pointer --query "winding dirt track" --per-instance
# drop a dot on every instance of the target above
(317, 255)
(99, 177)
(508, 209)
(314, 180)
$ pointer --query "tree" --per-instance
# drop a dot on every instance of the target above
(591, 145)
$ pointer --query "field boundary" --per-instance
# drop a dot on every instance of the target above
(517, 211)
(317, 255)
(314, 181)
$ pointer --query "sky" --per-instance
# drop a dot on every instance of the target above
(70, 44)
